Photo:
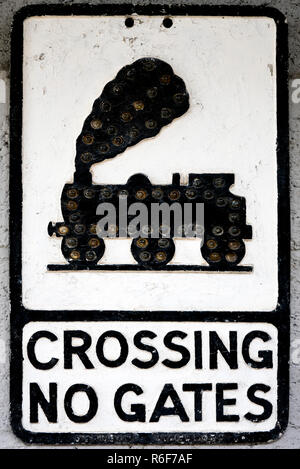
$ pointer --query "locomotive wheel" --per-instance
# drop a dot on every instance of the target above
(152, 252)
(223, 253)
(83, 251)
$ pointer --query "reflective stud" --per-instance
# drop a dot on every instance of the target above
(88, 193)
(152, 92)
(157, 194)
(161, 256)
(63, 230)
(235, 204)
(197, 182)
(93, 229)
(234, 231)
(145, 256)
(141, 194)
(181, 231)
(166, 113)
(231, 257)
(117, 89)
(179, 98)
(215, 257)
(165, 79)
(86, 157)
(106, 193)
(71, 243)
(90, 256)
(131, 74)
(94, 243)
(217, 230)
(219, 182)
(112, 230)
(164, 230)
(174, 195)
(234, 245)
(105, 106)
(133, 132)
(163, 243)
(96, 124)
(221, 202)
(123, 193)
(88, 139)
(138, 105)
(191, 194)
(149, 65)
(208, 195)
(103, 148)
(126, 116)
(74, 217)
(118, 141)
(75, 255)
(150, 124)
(72, 193)
(112, 130)
(211, 243)
(142, 243)
(79, 228)
(147, 229)
(233, 217)
(72, 205)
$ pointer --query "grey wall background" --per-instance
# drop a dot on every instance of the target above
(291, 8)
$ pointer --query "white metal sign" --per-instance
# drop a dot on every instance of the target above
(135, 337)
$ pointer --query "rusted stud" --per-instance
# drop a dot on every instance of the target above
(96, 124)
(211, 243)
(174, 195)
(142, 243)
(75, 255)
(231, 257)
(72, 205)
(161, 256)
(63, 230)
(88, 139)
(72, 193)
(141, 194)
(215, 257)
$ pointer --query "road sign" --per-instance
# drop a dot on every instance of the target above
(149, 225)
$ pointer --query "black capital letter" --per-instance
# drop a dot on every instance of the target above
(138, 410)
(31, 350)
(177, 348)
(140, 345)
(267, 406)
(123, 346)
(38, 398)
(79, 350)
(198, 350)
(93, 407)
(265, 355)
(221, 402)
(216, 345)
(160, 409)
(198, 391)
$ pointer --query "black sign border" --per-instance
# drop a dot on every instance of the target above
(20, 316)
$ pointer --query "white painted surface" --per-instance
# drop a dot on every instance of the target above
(230, 71)
(2, 91)
(105, 381)
(4, 85)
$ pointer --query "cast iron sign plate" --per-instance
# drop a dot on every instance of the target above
(166, 339)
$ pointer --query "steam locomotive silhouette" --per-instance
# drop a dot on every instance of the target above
(144, 97)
